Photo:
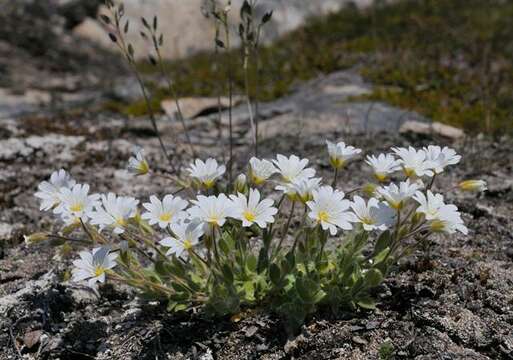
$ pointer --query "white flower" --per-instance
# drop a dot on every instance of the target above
(300, 189)
(260, 170)
(439, 158)
(49, 191)
(92, 265)
(373, 215)
(430, 204)
(340, 153)
(329, 209)
(212, 210)
(164, 212)
(293, 168)
(206, 173)
(395, 195)
(448, 221)
(186, 236)
(114, 212)
(137, 164)
(76, 203)
(441, 217)
(383, 165)
(414, 162)
(250, 210)
(473, 185)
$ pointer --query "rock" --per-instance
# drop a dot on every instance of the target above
(58, 146)
(92, 29)
(6, 231)
(31, 288)
(192, 107)
(437, 128)
(178, 15)
(31, 338)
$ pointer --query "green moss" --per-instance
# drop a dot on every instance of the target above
(451, 60)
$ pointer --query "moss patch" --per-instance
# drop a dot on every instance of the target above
(451, 60)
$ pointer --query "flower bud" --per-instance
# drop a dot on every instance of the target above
(473, 185)
(240, 183)
(35, 238)
(370, 189)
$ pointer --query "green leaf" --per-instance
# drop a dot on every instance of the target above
(384, 241)
(366, 302)
(275, 274)
(227, 273)
(251, 263)
(381, 256)
(373, 277)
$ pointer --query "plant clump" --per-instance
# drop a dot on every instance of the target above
(276, 238)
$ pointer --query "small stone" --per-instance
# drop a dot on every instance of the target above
(31, 338)
(359, 340)
(437, 128)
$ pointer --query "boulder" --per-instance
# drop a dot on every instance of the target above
(437, 128)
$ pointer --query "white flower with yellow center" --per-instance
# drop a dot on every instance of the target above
(212, 210)
(250, 210)
(448, 221)
(329, 210)
(186, 236)
(206, 173)
(373, 215)
(49, 191)
(76, 203)
(137, 163)
(440, 158)
(396, 196)
(114, 212)
(300, 189)
(260, 170)
(473, 185)
(383, 165)
(293, 168)
(164, 212)
(341, 153)
(414, 162)
(93, 265)
(429, 205)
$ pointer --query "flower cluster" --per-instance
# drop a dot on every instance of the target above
(230, 245)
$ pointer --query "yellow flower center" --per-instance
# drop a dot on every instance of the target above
(77, 207)
(120, 221)
(208, 183)
(187, 245)
(165, 217)
(323, 216)
(249, 216)
(213, 220)
(437, 225)
(409, 172)
(367, 220)
(380, 176)
(143, 167)
(337, 163)
(257, 180)
(99, 270)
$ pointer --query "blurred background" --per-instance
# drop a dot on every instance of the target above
(448, 60)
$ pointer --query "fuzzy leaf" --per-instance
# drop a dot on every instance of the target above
(373, 277)
(274, 274)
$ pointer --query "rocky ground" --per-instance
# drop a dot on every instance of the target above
(458, 305)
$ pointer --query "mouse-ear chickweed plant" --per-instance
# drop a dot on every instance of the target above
(278, 237)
